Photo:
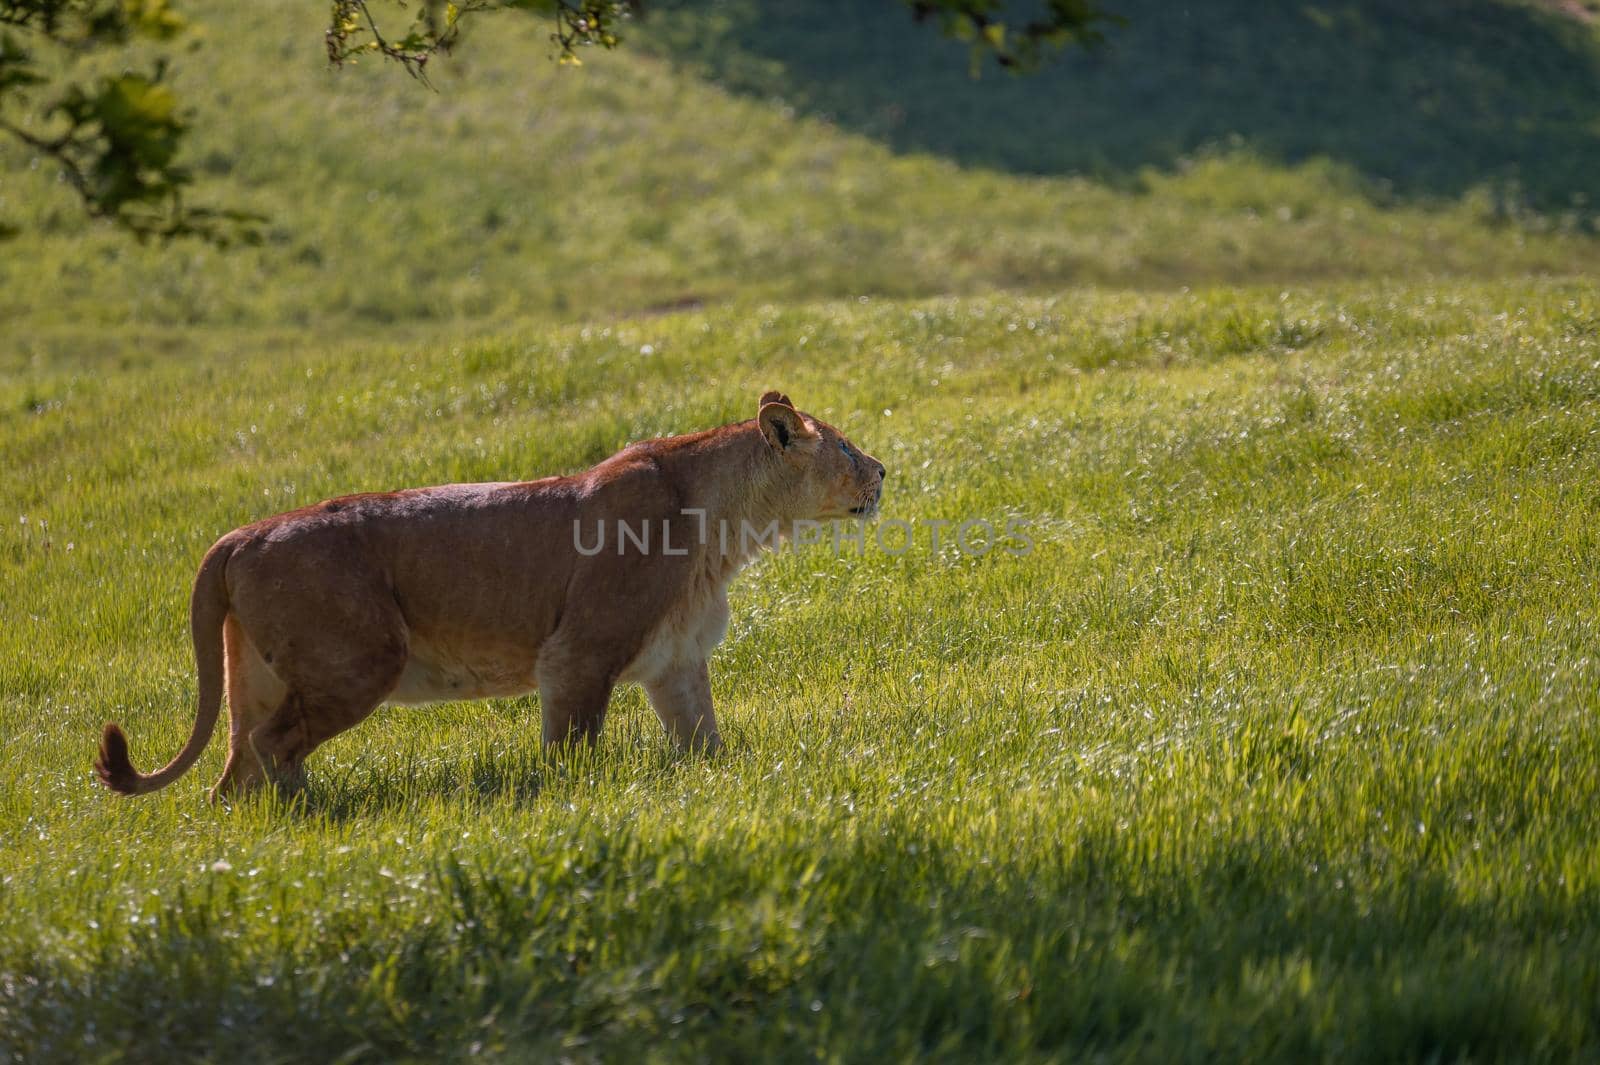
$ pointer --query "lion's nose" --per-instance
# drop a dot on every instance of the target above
(882, 470)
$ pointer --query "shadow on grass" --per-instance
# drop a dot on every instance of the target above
(353, 793)
(1427, 98)
(483, 780)
(857, 944)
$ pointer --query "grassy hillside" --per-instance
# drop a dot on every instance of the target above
(523, 190)
(1280, 745)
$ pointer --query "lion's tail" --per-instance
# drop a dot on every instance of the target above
(208, 608)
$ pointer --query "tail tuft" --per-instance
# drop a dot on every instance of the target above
(114, 767)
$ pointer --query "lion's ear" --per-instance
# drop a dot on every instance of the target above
(775, 396)
(782, 425)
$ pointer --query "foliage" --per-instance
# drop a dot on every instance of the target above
(993, 28)
(1280, 746)
(990, 29)
(116, 138)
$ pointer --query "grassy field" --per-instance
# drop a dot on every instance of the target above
(1281, 743)
(1281, 333)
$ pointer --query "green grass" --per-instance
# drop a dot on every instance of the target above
(1281, 744)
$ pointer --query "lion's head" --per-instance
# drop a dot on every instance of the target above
(823, 473)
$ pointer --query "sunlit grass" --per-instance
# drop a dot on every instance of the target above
(1281, 743)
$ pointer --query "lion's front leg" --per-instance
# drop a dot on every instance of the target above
(681, 697)
(573, 694)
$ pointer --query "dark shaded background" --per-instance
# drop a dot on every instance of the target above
(1422, 98)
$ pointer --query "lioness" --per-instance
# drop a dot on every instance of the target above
(469, 591)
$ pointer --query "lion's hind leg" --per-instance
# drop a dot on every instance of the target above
(334, 679)
(254, 692)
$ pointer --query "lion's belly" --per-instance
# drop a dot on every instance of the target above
(439, 672)
(434, 675)
(685, 638)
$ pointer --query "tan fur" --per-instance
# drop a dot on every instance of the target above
(313, 618)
